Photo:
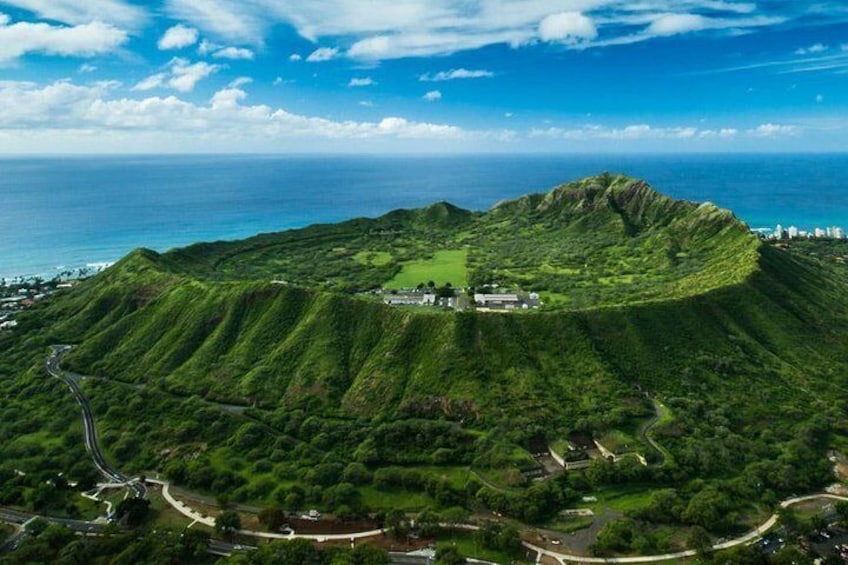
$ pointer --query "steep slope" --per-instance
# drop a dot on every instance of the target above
(255, 342)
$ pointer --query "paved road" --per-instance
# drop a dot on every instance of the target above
(21, 518)
(92, 444)
(754, 534)
(644, 431)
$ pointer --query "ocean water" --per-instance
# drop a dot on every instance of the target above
(65, 213)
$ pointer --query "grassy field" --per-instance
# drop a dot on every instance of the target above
(468, 546)
(446, 266)
(373, 258)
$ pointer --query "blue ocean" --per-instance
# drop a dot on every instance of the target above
(65, 213)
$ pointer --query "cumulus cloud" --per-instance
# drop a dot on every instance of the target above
(812, 49)
(84, 40)
(455, 74)
(773, 130)
(295, 57)
(432, 96)
(63, 105)
(322, 54)
(182, 75)
(178, 37)
(365, 81)
(567, 27)
(234, 53)
(673, 24)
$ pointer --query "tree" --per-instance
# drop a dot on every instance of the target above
(449, 555)
(228, 523)
(272, 518)
(133, 511)
(699, 540)
(842, 512)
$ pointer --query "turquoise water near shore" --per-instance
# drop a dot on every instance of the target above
(64, 213)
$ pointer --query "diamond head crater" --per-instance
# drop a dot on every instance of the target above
(597, 373)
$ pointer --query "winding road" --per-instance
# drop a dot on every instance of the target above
(644, 432)
(92, 444)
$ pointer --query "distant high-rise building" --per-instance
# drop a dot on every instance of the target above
(778, 232)
(820, 232)
(838, 233)
(792, 231)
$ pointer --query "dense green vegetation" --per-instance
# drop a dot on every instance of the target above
(294, 396)
(602, 240)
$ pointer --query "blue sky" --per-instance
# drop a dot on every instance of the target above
(113, 76)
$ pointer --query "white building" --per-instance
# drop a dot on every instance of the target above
(820, 232)
(792, 231)
(838, 233)
(506, 301)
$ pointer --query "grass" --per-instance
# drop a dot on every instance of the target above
(163, 515)
(373, 258)
(468, 546)
(621, 498)
(405, 501)
(446, 266)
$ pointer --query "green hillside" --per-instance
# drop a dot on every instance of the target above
(648, 299)
(605, 240)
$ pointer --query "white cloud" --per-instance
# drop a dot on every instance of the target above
(295, 57)
(416, 28)
(183, 76)
(234, 53)
(153, 81)
(570, 28)
(206, 47)
(63, 105)
(116, 12)
(178, 37)
(773, 130)
(365, 81)
(84, 40)
(812, 49)
(366, 103)
(632, 132)
(454, 74)
(673, 24)
(322, 54)
(432, 96)
(186, 75)
(87, 68)
(235, 20)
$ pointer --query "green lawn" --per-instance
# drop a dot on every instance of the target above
(468, 546)
(621, 498)
(400, 500)
(446, 266)
(373, 258)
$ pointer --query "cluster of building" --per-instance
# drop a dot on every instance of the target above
(460, 300)
(792, 232)
(23, 295)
